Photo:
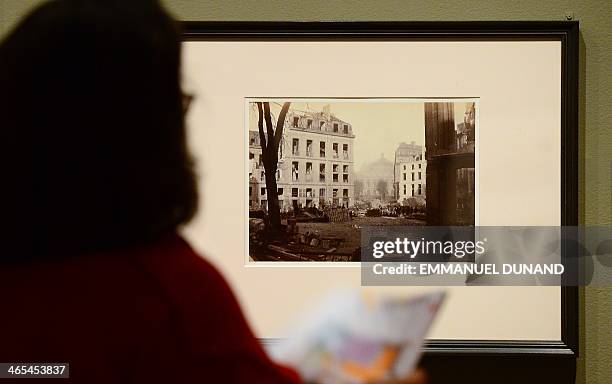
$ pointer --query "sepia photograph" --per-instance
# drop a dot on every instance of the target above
(319, 170)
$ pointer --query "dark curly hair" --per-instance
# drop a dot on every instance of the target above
(93, 152)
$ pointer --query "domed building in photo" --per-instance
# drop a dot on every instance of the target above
(374, 181)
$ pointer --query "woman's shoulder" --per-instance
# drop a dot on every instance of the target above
(198, 295)
(173, 263)
(162, 302)
(183, 274)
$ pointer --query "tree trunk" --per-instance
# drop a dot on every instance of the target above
(269, 146)
(273, 205)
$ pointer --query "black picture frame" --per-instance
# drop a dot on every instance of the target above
(469, 361)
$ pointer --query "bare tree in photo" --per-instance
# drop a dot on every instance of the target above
(270, 141)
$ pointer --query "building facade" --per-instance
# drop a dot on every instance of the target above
(315, 167)
(410, 172)
(450, 154)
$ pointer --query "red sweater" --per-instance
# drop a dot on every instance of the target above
(159, 313)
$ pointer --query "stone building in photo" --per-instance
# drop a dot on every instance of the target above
(315, 167)
(410, 172)
(450, 154)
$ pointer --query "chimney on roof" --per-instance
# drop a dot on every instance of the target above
(327, 111)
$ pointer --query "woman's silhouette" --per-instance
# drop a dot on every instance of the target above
(96, 180)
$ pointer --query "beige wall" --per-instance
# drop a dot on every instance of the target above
(595, 99)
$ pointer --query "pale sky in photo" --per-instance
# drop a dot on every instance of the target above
(379, 126)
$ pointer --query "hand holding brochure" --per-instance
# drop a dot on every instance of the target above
(353, 339)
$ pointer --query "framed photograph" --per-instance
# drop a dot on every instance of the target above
(315, 129)
(336, 170)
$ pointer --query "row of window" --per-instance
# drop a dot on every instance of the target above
(295, 149)
(412, 166)
(322, 125)
(295, 172)
(305, 192)
(404, 176)
(419, 190)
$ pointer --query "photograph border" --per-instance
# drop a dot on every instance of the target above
(474, 361)
(364, 99)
